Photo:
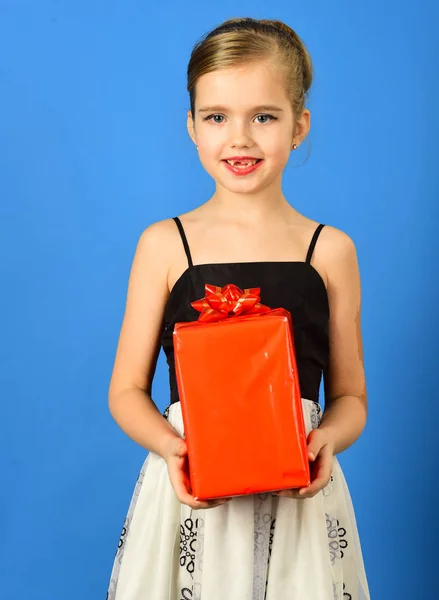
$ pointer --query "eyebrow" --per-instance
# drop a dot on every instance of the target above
(270, 107)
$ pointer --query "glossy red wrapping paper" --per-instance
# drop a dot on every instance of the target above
(240, 399)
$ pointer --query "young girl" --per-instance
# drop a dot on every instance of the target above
(247, 81)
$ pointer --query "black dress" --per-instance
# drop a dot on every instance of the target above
(294, 285)
(257, 547)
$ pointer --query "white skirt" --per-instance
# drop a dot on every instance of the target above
(258, 547)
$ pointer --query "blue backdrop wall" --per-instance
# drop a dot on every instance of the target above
(93, 149)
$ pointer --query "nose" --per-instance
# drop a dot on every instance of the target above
(240, 135)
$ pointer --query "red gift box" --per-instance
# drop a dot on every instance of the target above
(240, 398)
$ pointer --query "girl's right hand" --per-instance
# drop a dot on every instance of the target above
(178, 471)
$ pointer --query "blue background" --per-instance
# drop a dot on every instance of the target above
(93, 149)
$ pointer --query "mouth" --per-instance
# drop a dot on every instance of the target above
(244, 162)
(245, 166)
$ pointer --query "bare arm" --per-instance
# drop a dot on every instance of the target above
(129, 394)
(345, 387)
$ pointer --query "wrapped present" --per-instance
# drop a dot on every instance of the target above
(239, 390)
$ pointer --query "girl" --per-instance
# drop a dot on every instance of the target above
(247, 81)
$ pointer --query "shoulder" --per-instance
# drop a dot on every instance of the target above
(335, 256)
(337, 253)
(155, 248)
(335, 244)
(158, 240)
(335, 249)
(161, 234)
(158, 234)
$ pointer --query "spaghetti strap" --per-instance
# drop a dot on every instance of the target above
(184, 240)
(313, 242)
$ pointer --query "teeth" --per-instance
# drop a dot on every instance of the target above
(246, 164)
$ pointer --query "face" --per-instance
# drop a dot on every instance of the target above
(245, 112)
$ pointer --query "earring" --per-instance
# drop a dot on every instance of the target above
(197, 147)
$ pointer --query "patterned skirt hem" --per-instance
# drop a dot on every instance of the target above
(256, 547)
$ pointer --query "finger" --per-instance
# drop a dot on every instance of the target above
(206, 504)
(199, 504)
(220, 499)
(313, 489)
(323, 474)
(324, 465)
(181, 485)
(183, 490)
(195, 504)
(287, 493)
(314, 444)
(219, 503)
(185, 498)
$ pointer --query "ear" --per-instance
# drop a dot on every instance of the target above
(191, 127)
(302, 127)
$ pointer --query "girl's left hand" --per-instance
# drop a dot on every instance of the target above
(321, 456)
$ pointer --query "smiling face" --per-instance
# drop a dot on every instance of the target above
(245, 112)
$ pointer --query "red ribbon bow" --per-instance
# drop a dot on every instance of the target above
(228, 301)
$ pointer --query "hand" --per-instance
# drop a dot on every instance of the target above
(178, 471)
(321, 455)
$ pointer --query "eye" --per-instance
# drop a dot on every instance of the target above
(270, 117)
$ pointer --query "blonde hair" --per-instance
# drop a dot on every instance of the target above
(243, 40)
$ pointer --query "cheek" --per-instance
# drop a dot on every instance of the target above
(278, 148)
(279, 155)
(212, 148)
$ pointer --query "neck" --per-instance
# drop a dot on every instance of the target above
(252, 208)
